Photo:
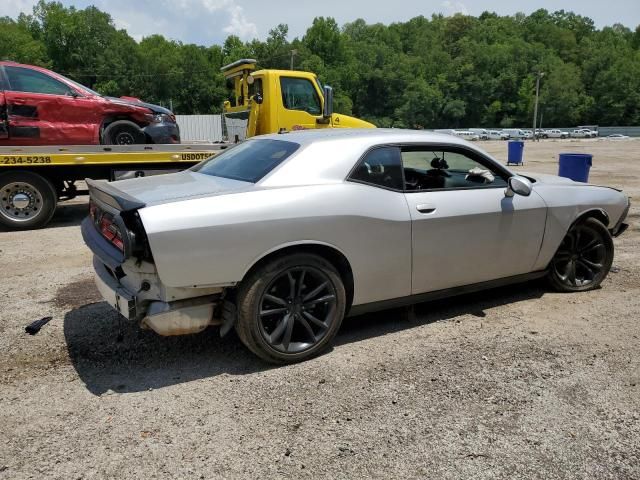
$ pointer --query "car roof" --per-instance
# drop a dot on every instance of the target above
(365, 135)
(328, 155)
(15, 64)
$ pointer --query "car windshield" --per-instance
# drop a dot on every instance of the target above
(249, 161)
(81, 87)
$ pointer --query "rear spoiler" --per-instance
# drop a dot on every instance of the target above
(105, 193)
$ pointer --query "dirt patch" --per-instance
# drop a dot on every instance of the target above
(77, 293)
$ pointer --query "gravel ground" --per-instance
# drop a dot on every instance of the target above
(517, 382)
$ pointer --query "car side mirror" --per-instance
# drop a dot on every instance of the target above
(518, 185)
(327, 111)
(73, 93)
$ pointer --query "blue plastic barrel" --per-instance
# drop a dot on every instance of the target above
(575, 166)
(515, 152)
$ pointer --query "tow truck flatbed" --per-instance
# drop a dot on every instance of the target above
(34, 178)
(105, 154)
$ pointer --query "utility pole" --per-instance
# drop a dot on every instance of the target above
(539, 75)
(293, 53)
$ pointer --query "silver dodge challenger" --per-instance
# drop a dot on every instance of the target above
(282, 236)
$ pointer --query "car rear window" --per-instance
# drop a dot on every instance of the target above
(249, 161)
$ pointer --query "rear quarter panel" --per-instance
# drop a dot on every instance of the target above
(216, 240)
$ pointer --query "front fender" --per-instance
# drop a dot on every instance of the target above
(568, 203)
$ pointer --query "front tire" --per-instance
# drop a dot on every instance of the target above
(583, 259)
(290, 308)
(123, 132)
(27, 200)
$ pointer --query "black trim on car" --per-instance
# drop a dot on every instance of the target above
(483, 160)
(27, 111)
(4, 83)
(24, 132)
(444, 293)
(108, 195)
(363, 156)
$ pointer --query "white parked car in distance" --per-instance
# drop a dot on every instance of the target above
(467, 135)
(555, 133)
(515, 133)
(446, 131)
(483, 133)
(583, 133)
(618, 136)
(498, 135)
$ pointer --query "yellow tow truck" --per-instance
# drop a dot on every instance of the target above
(34, 179)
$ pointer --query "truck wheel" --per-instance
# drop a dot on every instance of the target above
(123, 132)
(290, 308)
(27, 200)
(583, 259)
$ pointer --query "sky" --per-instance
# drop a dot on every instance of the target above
(207, 22)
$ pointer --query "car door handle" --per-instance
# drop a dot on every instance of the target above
(425, 208)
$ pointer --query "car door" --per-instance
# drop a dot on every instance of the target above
(380, 235)
(301, 105)
(43, 110)
(464, 229)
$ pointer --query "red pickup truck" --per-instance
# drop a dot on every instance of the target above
(41, 107)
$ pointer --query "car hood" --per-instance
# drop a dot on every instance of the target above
(549, 179)
(172, 187)
(139, 103)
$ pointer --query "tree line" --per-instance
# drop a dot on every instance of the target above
(457, 71)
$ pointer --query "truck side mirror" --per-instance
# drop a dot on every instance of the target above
(327, 111)
(258, 99)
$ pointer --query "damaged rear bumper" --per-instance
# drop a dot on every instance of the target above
(179, 317)
(112, 292)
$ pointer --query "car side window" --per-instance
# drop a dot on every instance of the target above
(381, 167)
(446, 169)
(300, 94)
(31, 81)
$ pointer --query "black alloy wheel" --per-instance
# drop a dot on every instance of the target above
(290, 308)
(296, 309)
(584, 257)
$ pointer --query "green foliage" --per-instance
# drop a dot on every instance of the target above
(458, 71)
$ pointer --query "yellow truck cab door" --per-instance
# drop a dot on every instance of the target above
(301, 105)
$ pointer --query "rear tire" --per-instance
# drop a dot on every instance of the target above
(583, 259)
(123, 132)
(27, 200)
(290, 308)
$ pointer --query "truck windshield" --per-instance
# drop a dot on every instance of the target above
(249, 161)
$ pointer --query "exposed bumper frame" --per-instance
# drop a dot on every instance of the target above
(620, 227)
(113, 292)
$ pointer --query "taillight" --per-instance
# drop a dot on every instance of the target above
(111, 232)
(105, 225)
